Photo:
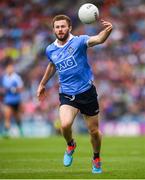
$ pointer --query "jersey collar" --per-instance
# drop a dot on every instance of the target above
(56, 43)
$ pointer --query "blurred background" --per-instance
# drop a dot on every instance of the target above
(118, 64)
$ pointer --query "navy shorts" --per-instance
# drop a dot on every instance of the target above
(15, 107)
(86, 102)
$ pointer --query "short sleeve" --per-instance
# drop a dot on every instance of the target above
(84, 40)
(19, 81)
(47, 52)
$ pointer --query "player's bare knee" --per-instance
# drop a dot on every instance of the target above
(94, 131)
(65, 126)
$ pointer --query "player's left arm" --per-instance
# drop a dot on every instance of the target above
(102, 36)
(20, 85)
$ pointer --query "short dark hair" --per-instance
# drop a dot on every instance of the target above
(8, 61)
(62, 17)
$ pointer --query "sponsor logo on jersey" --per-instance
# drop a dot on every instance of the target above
(66, 64)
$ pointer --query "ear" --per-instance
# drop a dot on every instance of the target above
(70, 28)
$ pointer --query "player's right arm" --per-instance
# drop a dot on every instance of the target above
(49, 72)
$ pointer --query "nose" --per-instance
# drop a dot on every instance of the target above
(60, 29)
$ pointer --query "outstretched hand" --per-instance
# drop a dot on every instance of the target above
(41, 93)
(107, 25)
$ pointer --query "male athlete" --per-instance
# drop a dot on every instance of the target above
(68, 56)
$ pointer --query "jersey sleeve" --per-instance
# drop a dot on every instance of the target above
(47, 52)
(19, 81)
(84, 40)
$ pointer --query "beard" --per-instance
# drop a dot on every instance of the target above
(64, 37)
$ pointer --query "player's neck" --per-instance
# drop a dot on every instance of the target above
(61, 43)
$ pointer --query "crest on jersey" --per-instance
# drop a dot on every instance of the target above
(70, 50)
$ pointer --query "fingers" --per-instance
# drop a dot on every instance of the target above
(107, 25)
(41, 93)
(41, 96)
(108, 28)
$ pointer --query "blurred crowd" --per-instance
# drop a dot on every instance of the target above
(118, 64)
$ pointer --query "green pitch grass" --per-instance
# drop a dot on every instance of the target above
(123, 158)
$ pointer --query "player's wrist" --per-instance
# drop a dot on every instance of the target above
(42, 84)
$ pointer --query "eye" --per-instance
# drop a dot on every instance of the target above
(63, 26)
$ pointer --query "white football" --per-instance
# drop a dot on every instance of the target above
(88, 13)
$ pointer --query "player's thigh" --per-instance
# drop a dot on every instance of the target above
(67, 114)
(8, 111)
(92, 121)
(17, 111)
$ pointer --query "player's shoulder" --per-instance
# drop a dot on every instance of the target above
(81, 38)
(50, 47)
(16, 75)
